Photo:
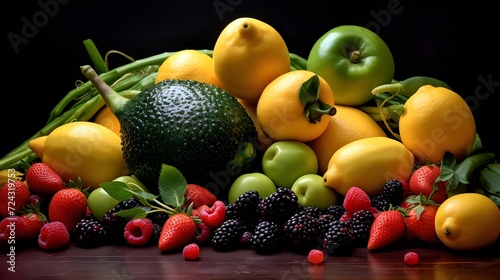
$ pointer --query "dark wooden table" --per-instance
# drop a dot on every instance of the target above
(125, 262)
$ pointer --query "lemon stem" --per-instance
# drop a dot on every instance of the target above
(315, 111)
(314, 108)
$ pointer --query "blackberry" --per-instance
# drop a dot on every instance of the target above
(338, 239)
(89, 232)
(115, 224)
(310, 210)
(267, 238)
(391, 194)
(156, 233)
(246, 208)
(336, 210)
(279, 206)
(158, 218)
(360, 226)
(227, 236)
(231, 213)
(323, 224)
(301, 231)
(245, 240)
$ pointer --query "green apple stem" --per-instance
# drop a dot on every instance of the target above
(355, 56)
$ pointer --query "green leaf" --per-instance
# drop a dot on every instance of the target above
(172, 186)
(490, 178)
(309, 91)
(117, 190)
(136, 212)
(472, 163)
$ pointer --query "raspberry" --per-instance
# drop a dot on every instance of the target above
(315, 256)
(203, 232)
(356, 199)
(215, 215)
(53, 236)
(411, 258)
(138, 231)
(191, 252)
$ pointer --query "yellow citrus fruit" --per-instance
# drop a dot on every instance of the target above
(248, 55)
(468, 221)
(188, 65)
(107, 118)
(82, 149)
(368, 163)
(348, 124)
(281, 114)
(437, 120)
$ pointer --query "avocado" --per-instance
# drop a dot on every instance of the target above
(196, 127)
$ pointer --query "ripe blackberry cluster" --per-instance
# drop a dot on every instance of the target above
(279, 222)
(89, 232)
(114, 224)
(391, 195)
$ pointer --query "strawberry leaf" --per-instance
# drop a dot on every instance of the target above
(136, 212)
(117, 190)
(172, 186)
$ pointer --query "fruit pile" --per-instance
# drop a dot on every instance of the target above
(249, 146)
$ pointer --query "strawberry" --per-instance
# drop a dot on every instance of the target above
(177, 232)
(198, 195)
(420, 219)
(68, 205)
(53, 236)
(424, 180)
(196, 211)
(356, 199)
(13, 196)
(387, 228)
(34, 222)
(42, 179)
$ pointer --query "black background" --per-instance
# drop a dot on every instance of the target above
(456, 43)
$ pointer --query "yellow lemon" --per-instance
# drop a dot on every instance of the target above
(437, 120)
(468, 221)
(188, 65)
(368, 163)
(283, 116)
(82, 149)
(348, 124)
(248, 55)
(107, 118)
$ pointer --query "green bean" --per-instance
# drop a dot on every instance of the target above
(409, 86)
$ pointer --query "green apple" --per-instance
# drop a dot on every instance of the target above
(100, 202)
(285, 161)
(353, 60)
(132, 182)
(312, 191)
(251, 181)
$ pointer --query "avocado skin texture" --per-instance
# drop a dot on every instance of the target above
(193, 126)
